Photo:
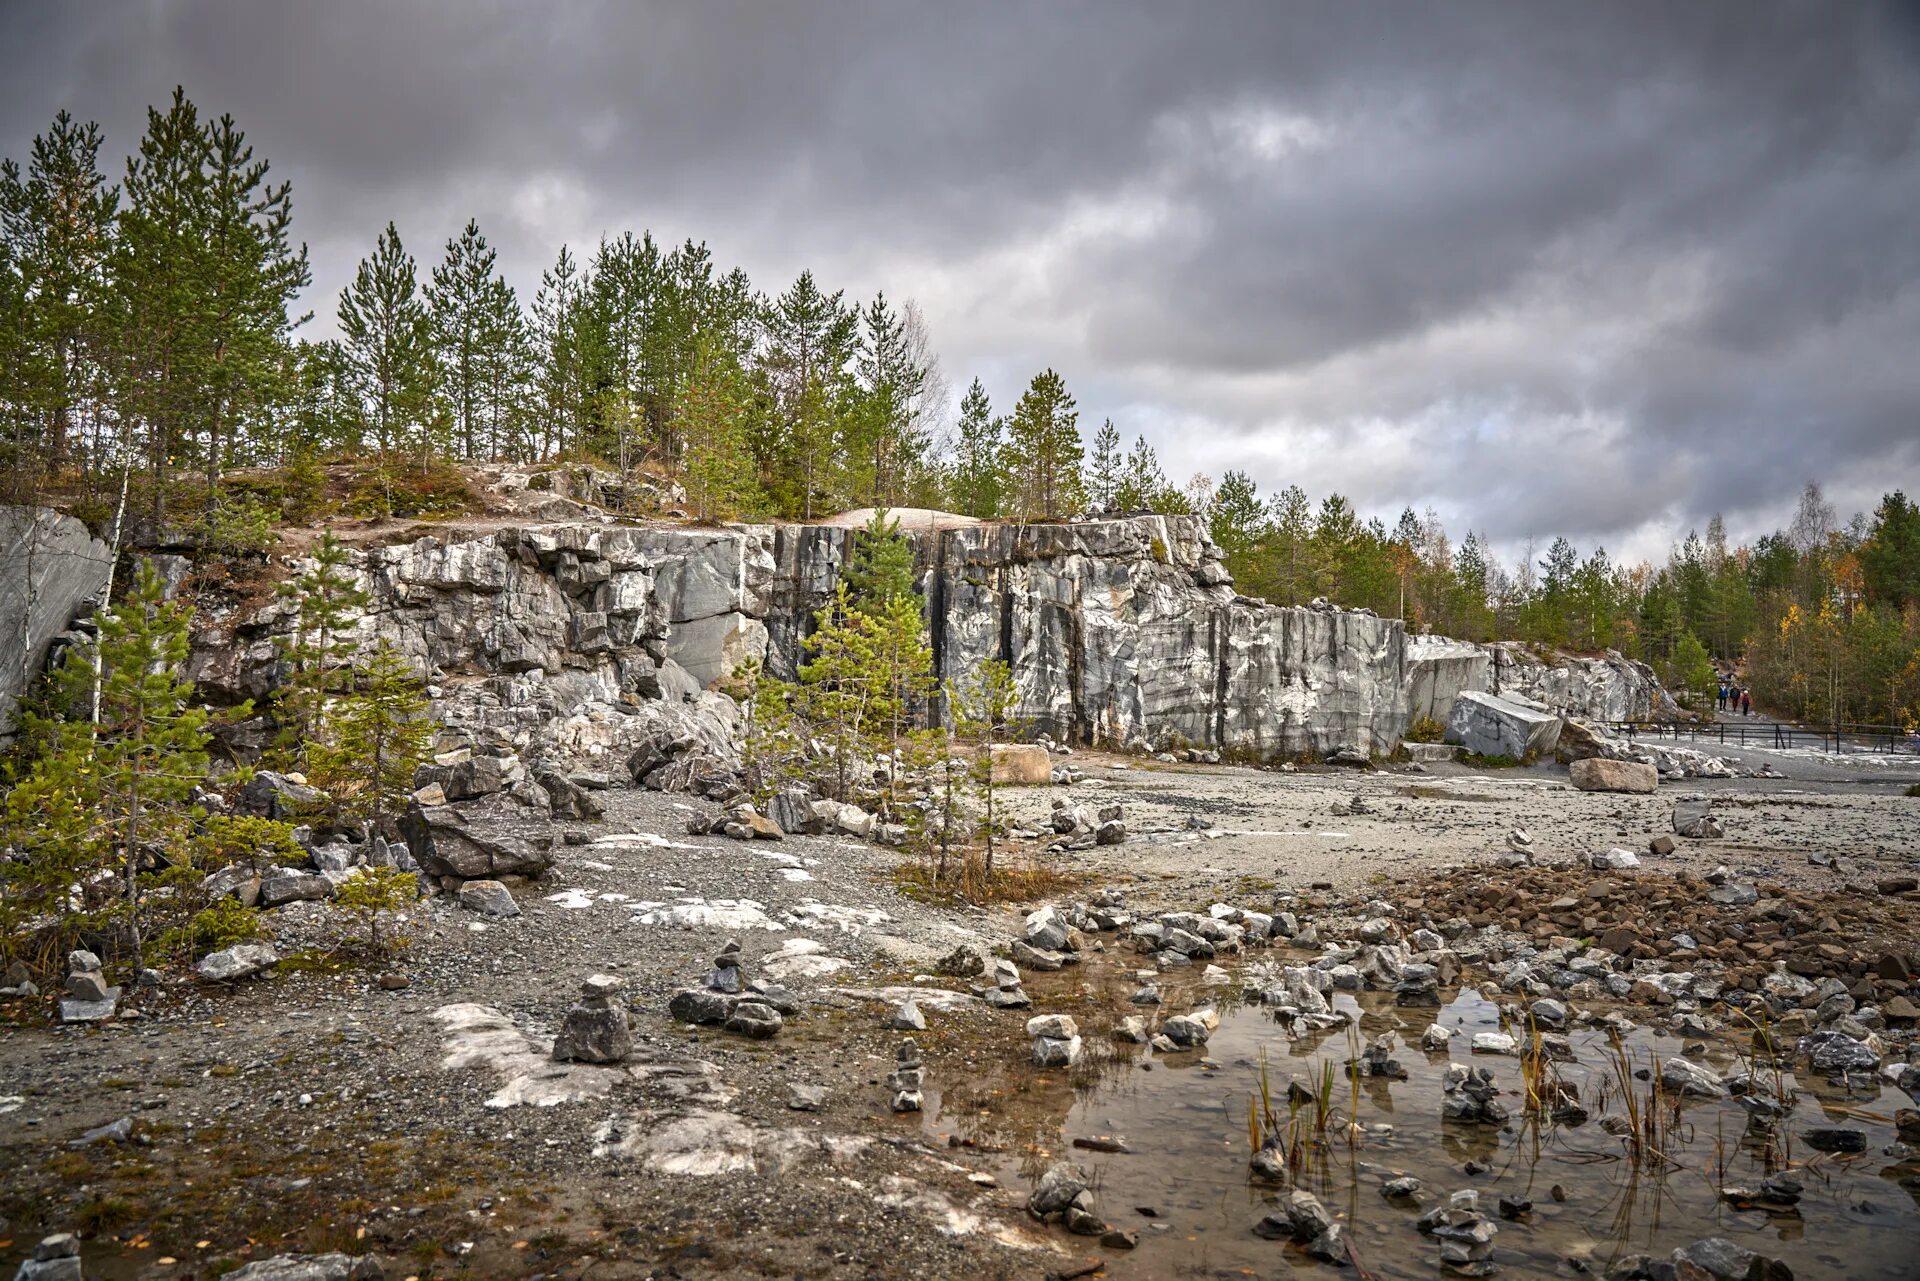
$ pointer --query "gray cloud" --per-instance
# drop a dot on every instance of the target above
(1600, 270)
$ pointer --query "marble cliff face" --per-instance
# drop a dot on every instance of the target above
(578, 639)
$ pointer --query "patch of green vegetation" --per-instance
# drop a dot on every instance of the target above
(103, 1214)
(1426, 730)
(1914, 790)
(1499, 761)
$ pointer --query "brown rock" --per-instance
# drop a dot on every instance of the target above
(1597, 774)
(1901, 1010)
(1661, 845)
(1021, 765)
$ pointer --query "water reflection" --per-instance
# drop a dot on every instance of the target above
(1184, 1184)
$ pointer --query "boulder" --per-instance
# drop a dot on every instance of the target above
(443, 845)
(54, 569)
(1491, 725)
(287, 885)
(1693, 818)
(488, 898)
(236, 962)
(1597, 774)
(1020, 765)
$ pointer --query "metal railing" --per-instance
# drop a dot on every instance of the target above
(1892, 739)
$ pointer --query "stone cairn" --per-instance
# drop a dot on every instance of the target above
(907, 1077)
(55, 1258)
(1005, 992)
(88, 998)
(753, 1009)
(1465, 1234)
(1056, 1040)
(597, 1029)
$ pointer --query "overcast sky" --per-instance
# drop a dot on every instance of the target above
(1593, 269)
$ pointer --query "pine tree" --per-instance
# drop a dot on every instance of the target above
(879, 569)
(378, 737)
(984, 704)
(113, 790)
(387, 345)
(885, 439)
(558, 340)
(1291, 517)
(1237, 521)
(57, 226)
(810, 339)
(978, 464)
(203, 274)
(1142, 484)
(711, 411)
(1043, 449)
(462, 305)
(1104, 467)
(318, 651)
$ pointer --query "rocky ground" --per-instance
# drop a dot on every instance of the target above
(316, 1109)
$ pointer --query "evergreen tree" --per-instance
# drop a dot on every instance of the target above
(378, 737)
(111, 790)
(978, 465)
(463, 308)
(57, 225)
(810, 339)
(203, 275)
(985, 702)
(1292, 574)
(387, 345)
(879, 570)
(886, 440)
(1237, 521)
(317, 651)
(559, 342)
(1043, 449)
(1142, 484)
(1890, 558)
(1103, 468)
(711, 411)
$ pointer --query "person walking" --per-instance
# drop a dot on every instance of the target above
(1746, 702)
(1723, 694)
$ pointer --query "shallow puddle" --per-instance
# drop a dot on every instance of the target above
(1183, 1121)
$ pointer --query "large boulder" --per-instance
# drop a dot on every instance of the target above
(443, 845)
(52, 571)
(1021, 765)
(1490, 725)
(1597, 774)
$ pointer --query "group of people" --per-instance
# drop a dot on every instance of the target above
(1735, 697)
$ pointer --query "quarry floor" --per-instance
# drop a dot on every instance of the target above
(315, 1110)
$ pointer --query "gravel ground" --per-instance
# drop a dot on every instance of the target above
(316, 1110)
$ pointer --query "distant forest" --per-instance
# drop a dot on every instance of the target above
(150, 355)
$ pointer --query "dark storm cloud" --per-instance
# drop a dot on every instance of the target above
(1595, 269)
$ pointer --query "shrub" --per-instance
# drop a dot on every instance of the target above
(236, 525)
(1426, 730)
(377, 890)
(1914, 790)
(220, 925)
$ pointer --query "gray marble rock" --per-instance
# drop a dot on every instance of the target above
(1491, 725)
(237, 962)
